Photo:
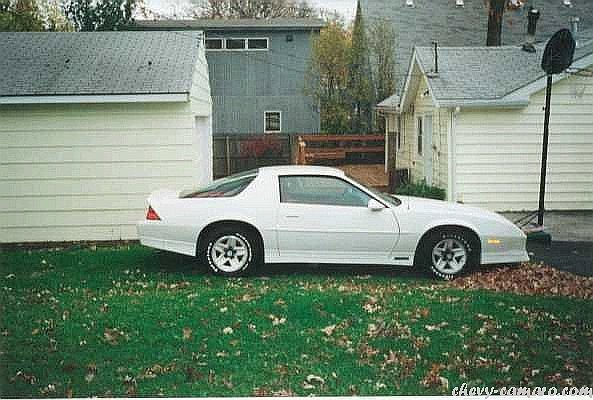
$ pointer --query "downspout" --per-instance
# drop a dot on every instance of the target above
(451, 195)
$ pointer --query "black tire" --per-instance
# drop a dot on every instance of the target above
(243, 239)
(445, 261)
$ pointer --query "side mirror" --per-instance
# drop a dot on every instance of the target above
(374, 205)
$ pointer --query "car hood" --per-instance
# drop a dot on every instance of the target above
(447, 208)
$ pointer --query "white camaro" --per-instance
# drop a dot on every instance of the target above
(306, 214)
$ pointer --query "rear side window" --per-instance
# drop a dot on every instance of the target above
(225, 187)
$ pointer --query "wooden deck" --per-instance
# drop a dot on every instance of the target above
(372, 175)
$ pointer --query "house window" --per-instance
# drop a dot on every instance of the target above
(235, 44)
(257, 44)
(419, 133)
(398, 144)
(214, 44)
(272, 121)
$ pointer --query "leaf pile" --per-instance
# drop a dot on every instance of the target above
(529, 279)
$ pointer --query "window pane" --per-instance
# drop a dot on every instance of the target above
(235, 44)
(257, 44)
(214, 44)
(321, 190)
(224, 187)
(273, 122)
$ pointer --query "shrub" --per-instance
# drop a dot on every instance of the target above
(421, 190)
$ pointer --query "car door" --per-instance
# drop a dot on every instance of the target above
(326, 219)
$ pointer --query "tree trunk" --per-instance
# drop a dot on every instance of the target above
(495, 13)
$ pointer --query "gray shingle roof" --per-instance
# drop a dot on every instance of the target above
(484, 73)
(97, 63)
(441, 20)
(208, 24)
(390, 102)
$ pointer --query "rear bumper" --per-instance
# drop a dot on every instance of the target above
(158, 235)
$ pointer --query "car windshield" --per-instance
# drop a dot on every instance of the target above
(225, 187)
(392, 200)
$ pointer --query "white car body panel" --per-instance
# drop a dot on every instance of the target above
(294, 232)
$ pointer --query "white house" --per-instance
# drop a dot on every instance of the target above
(470, 120)
(91, 123)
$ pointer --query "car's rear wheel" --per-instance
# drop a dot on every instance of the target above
(448, 254)
(231, 251)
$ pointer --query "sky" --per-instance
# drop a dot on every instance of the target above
(346, 8)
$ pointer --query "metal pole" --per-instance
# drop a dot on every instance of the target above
(542, 179)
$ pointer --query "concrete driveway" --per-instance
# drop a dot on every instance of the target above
(572, 241)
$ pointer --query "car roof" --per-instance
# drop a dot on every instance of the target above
(302, 170)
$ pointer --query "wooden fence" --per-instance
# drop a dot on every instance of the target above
(236, 153)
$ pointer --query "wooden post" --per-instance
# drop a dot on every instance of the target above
(228, 155)
(301, 152)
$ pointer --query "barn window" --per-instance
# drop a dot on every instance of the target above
(214, 44)
(419, 133)
(272, 121)
(257, 44)
(235, 44)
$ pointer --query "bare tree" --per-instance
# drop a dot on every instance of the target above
(495, 14)
(259, 9)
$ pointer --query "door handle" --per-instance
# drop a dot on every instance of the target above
(293, 216)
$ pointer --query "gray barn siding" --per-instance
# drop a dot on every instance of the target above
(247, 83)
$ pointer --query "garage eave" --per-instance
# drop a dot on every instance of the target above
(87, 99)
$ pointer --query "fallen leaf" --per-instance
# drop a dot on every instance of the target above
(329, 330)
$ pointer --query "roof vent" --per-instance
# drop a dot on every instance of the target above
(410, 3)
(567, 3)
(459, 3)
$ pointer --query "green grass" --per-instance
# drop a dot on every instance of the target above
(111, 322)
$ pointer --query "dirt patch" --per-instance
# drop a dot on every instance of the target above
(530, 279)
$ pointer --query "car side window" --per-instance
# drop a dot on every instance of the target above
(324, 190)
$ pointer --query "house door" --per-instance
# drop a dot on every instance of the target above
(427, 144)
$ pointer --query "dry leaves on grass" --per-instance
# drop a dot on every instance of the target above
(530, 279)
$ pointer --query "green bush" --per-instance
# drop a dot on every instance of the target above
(421, 190)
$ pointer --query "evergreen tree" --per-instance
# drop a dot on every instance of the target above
(100, 15)
(20, 15)
(362, 92)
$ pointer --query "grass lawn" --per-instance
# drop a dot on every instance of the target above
(133, 321)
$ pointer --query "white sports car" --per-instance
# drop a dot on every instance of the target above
(307, 214)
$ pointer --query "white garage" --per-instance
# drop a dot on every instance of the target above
(91, 123)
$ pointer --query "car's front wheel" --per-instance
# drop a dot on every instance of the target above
(230, 251)
(448, 254)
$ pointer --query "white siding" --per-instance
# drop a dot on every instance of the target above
(498, 152)
(408, 155)
(73, 172)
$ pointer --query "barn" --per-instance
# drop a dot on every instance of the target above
(91, 123)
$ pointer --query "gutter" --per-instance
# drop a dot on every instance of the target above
(93, 99)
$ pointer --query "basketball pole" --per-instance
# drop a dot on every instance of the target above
(542, 179)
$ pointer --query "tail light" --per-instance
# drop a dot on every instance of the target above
(152, 215)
